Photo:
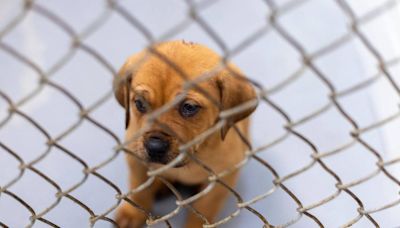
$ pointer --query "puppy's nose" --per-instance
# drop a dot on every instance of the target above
(157, 147)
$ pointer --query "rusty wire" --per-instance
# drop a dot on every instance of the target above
(77, 41)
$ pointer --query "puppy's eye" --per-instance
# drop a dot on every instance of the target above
(188, 109)
(140, 106)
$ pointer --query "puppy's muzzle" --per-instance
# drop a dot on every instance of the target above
(157, 146)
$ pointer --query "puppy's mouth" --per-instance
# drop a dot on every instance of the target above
(158, 159)
(165, 160)
(169, 157)
(161, 148)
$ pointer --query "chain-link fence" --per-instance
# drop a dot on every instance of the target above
(29, 138)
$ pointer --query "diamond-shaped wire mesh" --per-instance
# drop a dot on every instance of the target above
(70, 132)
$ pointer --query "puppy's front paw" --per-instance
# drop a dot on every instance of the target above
(129, 217)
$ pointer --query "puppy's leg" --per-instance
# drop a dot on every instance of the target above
(211, 204)
(128, 216)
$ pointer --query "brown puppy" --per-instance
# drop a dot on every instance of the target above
(154, 83)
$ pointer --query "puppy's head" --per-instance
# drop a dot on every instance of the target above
(153, 79)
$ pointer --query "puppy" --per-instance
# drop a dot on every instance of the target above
(156, 77)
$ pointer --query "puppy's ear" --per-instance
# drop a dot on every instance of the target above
(122, 87)
(234, 90)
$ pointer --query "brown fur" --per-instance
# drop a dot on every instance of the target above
(159, 83)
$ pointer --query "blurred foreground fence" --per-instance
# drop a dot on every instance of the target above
(273, 13)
